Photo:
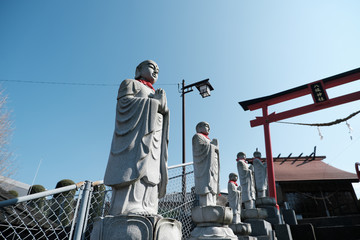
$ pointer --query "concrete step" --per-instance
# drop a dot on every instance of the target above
(332, 221)
(341, 232)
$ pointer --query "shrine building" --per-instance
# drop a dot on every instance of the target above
(314, 188)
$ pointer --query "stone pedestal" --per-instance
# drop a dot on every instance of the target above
(289, 216)
(283, 232)
(274, 216)
(260, 228)
(242, 231)
(136, 227)
(247, 238)
(212, 223)
(265, 201)
(254, 213)
(269, 204)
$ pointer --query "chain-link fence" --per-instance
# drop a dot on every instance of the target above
(69, 212)
(40, 216)
(180, 197)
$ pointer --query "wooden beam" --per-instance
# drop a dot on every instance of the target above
(274, 117)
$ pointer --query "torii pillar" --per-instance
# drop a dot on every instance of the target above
(321, 101)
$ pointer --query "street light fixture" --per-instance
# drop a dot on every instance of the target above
(204, 88)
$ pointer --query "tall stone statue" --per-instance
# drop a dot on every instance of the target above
(246, 174)
(206, 165)
(260, 175)
(234, 197)
(137, 165)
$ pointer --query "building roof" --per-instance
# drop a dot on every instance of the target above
(10, 184)
(308, 169)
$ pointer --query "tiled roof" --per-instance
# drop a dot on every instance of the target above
(302, 170)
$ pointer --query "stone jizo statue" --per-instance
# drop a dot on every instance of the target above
(206, 165)
(234, 197)
(137, 165)
(260, 175)
(246, 174)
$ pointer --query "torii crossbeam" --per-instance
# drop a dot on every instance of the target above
(321, 101)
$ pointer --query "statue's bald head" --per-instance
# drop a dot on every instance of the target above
(203, 127)
(144, 64)
(241, 155)
(257, 154)
(233, 177)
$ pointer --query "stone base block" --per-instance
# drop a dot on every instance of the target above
(135, 227)
(210, 215)
(212, 223)
(289, 216)
(273, 213)
(212, 232)
(254, 213)
(260, 227)
(283, 232)
(272, 236)
(241, 229)
(265, 201)
(247, 238)
(166, 227)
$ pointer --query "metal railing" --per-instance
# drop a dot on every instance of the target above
(70, 212)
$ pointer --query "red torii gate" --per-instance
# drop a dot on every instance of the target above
(321, 101)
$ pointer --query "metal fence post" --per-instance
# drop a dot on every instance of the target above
(79, 230)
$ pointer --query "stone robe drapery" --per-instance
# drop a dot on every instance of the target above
(260, 177)
(246, 177)
(140, 140)
(206, 165)
(234, 198)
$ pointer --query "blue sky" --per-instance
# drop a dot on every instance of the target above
(248, 49)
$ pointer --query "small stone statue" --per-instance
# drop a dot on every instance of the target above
(234, 197)
(246, 174)
(260, 175)
(206, 165)
(137, 165)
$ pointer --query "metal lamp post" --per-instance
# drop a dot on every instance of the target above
(204, 88)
